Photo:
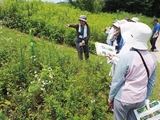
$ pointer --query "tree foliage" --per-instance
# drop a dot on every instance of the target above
(93, 6)
(146, 7)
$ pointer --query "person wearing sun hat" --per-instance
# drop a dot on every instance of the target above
(134, 78)
(83, 35)
(135, 19)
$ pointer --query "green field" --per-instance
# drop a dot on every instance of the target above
(91, 77)
(41, 76)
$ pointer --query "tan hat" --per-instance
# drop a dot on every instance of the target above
(138, 36)
(116, 24)
(135, 19)
(83, 18)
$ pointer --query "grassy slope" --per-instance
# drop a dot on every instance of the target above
(8, 33)
(43, 45)
(13, 34)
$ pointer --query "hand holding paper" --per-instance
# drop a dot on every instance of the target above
(104, 49)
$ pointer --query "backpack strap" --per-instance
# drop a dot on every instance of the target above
(143, 62)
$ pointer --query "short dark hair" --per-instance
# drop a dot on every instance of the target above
(155, 20)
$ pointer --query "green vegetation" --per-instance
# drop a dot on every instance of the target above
(41, 77)
(43, 80)
(49, 20)
(145, 7)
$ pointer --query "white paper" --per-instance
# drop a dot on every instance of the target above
(104, 49)
(152, 114)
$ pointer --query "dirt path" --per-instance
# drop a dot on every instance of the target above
(157, 51)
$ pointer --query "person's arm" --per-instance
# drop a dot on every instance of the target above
(72, 25)
(119, 76)
(112, 59)
(156, 34)
(157, 31)
(150, 85)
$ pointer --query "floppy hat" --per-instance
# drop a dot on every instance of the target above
(135, 19)
(125, 27)
(116, 24)
(83, 18)
(122, 21)
(138, 36)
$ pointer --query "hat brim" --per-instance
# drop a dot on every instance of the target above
(82, 19)
(133, 42)
(116, 25)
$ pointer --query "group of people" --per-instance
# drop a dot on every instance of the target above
(134, 72)
(113, 32)
(135, 67)
(114, 35)
(117, 29)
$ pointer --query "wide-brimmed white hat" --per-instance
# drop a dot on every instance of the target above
(118, 23)
(122, 21)
(138, 36)
(126, 27)
(83, 18)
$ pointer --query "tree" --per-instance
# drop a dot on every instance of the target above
(156, 8)
(93, 6)
(145, 7)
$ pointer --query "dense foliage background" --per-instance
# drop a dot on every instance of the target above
(48, 20)
(146, 7)
(43, 81)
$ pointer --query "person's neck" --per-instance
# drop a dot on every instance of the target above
(82, 25)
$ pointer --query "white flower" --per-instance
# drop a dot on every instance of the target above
(32, 82)
(43, 89)
(93, 101)
(36, 75)
(50, 75)
(49, 69)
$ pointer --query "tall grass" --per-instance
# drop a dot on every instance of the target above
(54, 82)
(43, 80)
(49, 22)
